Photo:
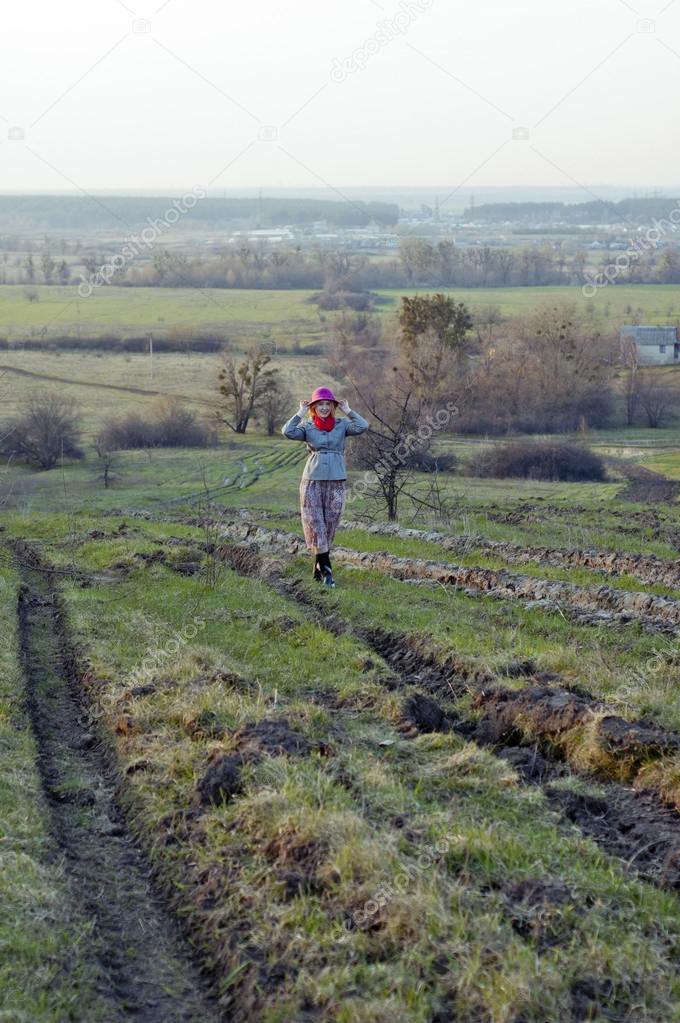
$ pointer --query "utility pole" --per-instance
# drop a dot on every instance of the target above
(151, 356)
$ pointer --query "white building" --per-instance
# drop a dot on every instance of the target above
(657, 346)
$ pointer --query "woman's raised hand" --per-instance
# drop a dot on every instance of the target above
(304, 405)
(344, 406)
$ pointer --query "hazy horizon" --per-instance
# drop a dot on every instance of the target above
(158, 97)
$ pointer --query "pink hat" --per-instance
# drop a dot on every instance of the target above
(323, 394)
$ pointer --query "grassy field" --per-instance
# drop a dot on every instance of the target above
(245, 315)
(377, 875)
(262, 472)
(132, 311)
(321, 783)
(103, 385)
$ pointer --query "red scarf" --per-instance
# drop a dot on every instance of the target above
(327, 423)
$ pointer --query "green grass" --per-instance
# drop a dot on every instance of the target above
(157, 481)
(61, 311)
(437, 888)
(658, 302)
(267, 881)
(629, 668)
(668, 464)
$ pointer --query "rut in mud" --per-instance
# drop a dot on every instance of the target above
(645, 485)
(636, 827)
(146, 972)
(646, 567)
(588, 605)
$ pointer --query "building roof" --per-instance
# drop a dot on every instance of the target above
(651, 335)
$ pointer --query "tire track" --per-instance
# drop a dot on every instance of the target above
(590, 606)
(647, 568)
(271, 462)
(645, 485)
(147, 972)
(635, 826)
(106, 387)
(548, 711)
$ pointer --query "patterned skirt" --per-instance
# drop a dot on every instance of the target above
(321, 504)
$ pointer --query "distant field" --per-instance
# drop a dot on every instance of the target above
(130, 311)
(277, 315)
(104, 384)
(659, 303)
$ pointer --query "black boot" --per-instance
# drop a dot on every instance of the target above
(318, 573)
(324, 561)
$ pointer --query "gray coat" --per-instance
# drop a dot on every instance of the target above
(326, 460)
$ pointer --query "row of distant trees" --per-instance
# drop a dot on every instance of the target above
(420, 263)
(550, 370)
(430, 372)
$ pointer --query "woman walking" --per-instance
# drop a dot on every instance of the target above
(322, 488)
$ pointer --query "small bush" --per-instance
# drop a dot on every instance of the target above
(311, 348)
(360, 301)
(425, 461)
(567, 463)
(46, 431)
(170, 425)
(201, 343)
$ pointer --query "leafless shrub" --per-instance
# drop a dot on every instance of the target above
(46, 430)
(542, 461)
(169, 425)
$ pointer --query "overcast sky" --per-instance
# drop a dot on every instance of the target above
(171, 94)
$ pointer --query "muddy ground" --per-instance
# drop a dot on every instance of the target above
(635, 826)
(146, 969)
(644, 485)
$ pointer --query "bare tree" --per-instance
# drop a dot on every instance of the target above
(240, 386)
(273, 404)
(48, 266)
(384, 449)
(108, 460)
(657, 399)
(46, 430)
(404, 419)
(549, 372)
(64, 272)
(487, 322)
(630, 358)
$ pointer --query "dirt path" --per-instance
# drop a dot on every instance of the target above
(107, 387)
(635, 826)
(147, 973)
(645, 485)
